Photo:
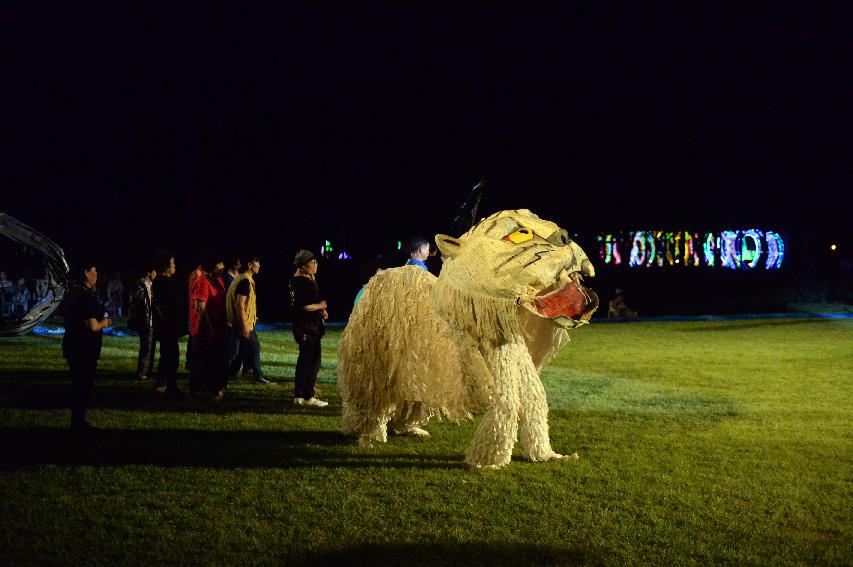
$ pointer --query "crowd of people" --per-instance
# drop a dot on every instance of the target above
(217, 310)
(220, 318)
(18, 296)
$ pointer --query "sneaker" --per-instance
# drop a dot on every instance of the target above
(142, 378)
(160, 389)
(315, 402)
(262, 380)
(299, 401)
(218, 395)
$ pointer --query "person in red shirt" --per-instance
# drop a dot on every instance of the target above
(208, 330)
(194, 275)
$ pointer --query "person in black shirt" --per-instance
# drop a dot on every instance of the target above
(140, 318)
(309, 312)
(81, 344)
(169, 322)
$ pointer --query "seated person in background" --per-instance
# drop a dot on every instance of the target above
(21, 300)
(7, 292)
(42, 286)
(618, 308)
(115, 295)
(6, 285)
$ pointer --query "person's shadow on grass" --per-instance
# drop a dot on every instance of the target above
(119, 391)
(25, 447)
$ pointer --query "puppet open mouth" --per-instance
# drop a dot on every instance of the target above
(569, 305)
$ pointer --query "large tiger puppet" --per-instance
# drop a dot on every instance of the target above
(469, 342)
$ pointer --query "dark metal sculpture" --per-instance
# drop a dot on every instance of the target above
(57, 271)
(466, 218)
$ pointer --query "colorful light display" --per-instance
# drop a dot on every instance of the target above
(609, 249)
(732, 249)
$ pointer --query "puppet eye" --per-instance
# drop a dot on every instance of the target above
(519, 236)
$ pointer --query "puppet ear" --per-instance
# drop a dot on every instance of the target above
(449, 246)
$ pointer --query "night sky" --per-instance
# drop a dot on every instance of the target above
(128, 131)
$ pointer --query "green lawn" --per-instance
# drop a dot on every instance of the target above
(700, 442)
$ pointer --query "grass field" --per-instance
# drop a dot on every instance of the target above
(700, 442)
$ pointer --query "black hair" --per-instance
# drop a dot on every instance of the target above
(78, 269)
(247, 257)
(146, 266)
(231, 258)
(415, 244)
(208, 259)
(161, 260)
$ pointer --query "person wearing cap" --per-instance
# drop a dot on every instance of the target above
(309, 313)
(242, 316)
(617, 307)
(85, 318)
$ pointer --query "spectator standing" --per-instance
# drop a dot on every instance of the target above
(140, 318)
(194, 275)
(418, 252)
(244, 357)
(242, 316)
(208, 371)
(309, 313)
(234, 265)
(169, 322)
(85, 318)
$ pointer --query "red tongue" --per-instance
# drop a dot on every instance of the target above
(568, 302)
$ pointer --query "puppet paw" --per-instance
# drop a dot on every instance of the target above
(559, 457)
(483, 467)
(414, 432)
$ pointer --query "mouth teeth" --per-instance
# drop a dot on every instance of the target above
(566, 301)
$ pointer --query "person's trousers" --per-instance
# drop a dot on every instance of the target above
(208, 370)
(145, 362)
(197, 363)
(167, 367)
(307, 365)
(82, 384)
(252, 345)
(189, 355)
(244, 359)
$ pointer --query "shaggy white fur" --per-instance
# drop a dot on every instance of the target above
(469, 342)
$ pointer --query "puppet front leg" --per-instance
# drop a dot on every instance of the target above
(533, 416)
(495, 437)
